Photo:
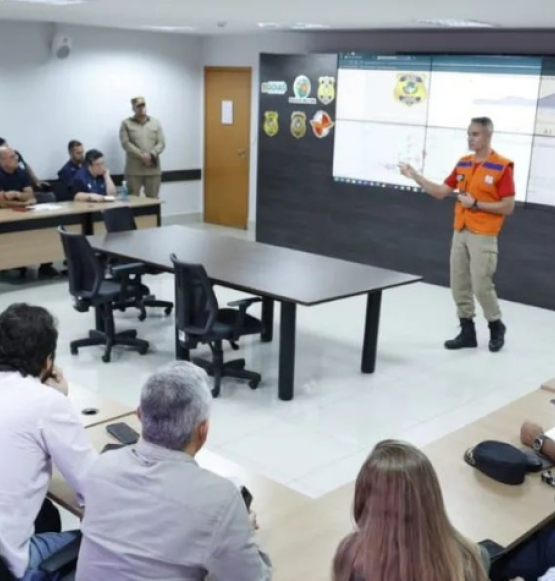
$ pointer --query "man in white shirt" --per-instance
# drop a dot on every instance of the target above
(153, 513)
(38, 428)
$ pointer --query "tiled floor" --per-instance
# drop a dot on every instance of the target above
(317, 442)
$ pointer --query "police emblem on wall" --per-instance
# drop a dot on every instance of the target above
(302, 87)
(410, 89)
(298, 124)
(271, 123)
(326, 90)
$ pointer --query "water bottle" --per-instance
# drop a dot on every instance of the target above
(123, 192)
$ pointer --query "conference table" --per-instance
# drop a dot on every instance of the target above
(95, 409)
(287, 276)
(31, 238)
(271, 500)
(479, 507)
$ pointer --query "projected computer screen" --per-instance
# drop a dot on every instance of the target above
(416, 109)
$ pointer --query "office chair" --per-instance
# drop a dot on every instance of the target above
(90, 288)
(200, 320)
(62, 563)
(121, 220)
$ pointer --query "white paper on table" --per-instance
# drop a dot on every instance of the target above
(227, 112)
(45, 207)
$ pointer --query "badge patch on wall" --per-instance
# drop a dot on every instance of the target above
(271, 123)
(298, 124)
(326, 90)
(302, 87)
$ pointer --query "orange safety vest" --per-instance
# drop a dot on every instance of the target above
(481, 183)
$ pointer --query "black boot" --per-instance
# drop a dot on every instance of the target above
(466, 338)
(497, 336)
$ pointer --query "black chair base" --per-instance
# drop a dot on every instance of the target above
(235, 369)
(95, 338)
(143, 304)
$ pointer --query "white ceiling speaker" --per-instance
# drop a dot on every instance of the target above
(61, 46)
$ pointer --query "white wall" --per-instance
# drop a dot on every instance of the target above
(45, 102)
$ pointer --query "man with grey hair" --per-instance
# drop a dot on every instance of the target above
(152, 513)
(486, 194)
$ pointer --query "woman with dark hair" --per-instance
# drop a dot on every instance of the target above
(403, 532)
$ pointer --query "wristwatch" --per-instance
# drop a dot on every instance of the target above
(538, 443)
(475, 205)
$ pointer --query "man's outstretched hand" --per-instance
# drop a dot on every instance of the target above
(408, 171)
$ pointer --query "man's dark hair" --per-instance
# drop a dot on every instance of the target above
(28, 336)
(92, 155)
(73, 143)
(3, 142)
(484, 122)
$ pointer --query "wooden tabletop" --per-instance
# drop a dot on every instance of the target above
(280, 273)
(73, 208)
(272, 501)
(94, 409)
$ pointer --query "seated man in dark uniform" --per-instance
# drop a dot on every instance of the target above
(76, 158)
(16, 190)
(36, 184)
(15, 186)
(93, 182)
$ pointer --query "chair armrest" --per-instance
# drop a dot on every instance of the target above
(64, 560)
(128, 269)
(244, 303)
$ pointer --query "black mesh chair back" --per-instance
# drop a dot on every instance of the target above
(85, 271)
(196, 304)
(119, 219)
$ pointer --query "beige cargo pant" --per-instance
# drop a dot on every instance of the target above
(473, 265)
(151, 185)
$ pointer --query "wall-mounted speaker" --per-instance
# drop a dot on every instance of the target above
(61, 46)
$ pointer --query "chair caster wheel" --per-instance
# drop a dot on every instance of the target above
(143, 350)
(254, 384)
(74, 350)
(215, 393)
(106, 357)
(142, 317)
(168, 310)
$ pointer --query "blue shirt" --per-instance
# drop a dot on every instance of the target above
(87, 183)
(67, 174)
(14, 182)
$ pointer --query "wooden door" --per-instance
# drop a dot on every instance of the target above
(227, 118)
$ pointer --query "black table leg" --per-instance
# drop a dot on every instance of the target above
(267, 320)
(181, 353)
(286, 379)
(370, 346)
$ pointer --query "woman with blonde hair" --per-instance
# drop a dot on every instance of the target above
(402, 529)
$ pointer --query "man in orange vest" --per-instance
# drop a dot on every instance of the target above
(486, 194)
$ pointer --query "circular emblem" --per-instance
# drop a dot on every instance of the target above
(302, 87)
